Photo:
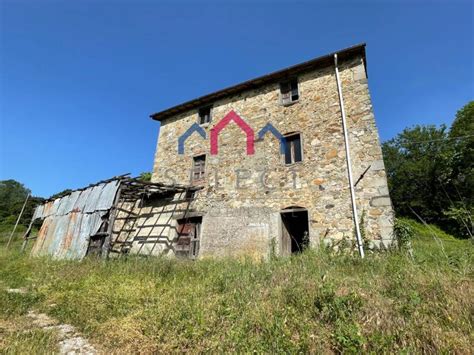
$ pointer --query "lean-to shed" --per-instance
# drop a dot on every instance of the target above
(107, 217)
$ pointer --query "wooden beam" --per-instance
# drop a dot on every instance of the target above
(17, 221)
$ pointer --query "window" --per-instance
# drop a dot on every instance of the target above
(289, 92)
(190, 194)
(293, 149)
(199, 164)
(205, 115)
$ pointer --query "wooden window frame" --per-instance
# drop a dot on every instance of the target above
(210, 115)
(292, 151)
(202, 172)
(285, 102)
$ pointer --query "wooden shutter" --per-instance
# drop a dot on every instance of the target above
(199, 167)
(297, 154)
(294, 91)
(285, 90)
(293, 149)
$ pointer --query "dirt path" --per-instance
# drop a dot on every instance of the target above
(71, 341)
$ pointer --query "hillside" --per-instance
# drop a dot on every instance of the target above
(314, 302)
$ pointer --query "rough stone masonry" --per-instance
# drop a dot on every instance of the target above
(244, 197)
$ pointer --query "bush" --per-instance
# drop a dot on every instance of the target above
(403, 234)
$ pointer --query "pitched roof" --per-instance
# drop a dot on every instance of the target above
(318, 62)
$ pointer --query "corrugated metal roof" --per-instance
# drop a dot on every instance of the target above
(54, 207)
(47, 209)
(107, 196)
(62, 205)
(38, 212)
(72, 201)
(93, 199)
(70, 221)
(82, 200)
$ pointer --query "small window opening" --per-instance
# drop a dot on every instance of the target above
(199, 168)
(190, 194)
(293, 149)
(205, 115)
(289, 92)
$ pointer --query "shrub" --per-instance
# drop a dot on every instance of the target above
(403, 234)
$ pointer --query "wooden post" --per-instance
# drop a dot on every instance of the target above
(27, 234)
(110, 229)
(17, 221)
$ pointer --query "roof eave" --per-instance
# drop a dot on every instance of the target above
(256, 82)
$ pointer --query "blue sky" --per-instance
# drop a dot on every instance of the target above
(78, 79)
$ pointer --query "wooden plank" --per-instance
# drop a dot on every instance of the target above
(112, 214)
(17, 221)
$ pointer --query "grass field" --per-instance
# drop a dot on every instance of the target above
(314, 302)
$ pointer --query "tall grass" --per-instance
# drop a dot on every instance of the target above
(313, 302)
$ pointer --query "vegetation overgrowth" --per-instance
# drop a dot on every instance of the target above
(418, 299)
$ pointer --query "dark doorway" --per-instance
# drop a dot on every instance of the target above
(96, 242)
(295, 231)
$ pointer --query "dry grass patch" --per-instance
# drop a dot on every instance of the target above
(313, 302)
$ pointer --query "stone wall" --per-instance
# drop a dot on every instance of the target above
(240, 213)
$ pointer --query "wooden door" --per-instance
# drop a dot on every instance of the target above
(187, 244)
(285, 237)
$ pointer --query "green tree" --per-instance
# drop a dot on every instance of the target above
(416, 159)
(462, 136)
(12, 198)
(60, 194)
(146, 176)
(431, 170)
(460, 183)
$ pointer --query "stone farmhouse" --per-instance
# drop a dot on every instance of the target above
(269, 157)
(276, 164)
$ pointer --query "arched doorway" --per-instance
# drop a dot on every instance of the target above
(295, 230)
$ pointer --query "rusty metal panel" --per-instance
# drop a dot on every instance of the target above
(42, 234)
(74, 220)
(73, 240)
(38, 212)
(81, 200)
(107, 196)
(72, 201)
(70, 221)
(93, 198)
(62, 205)
(88, 226)
(54, 246)
(49, 240)
(47, 209)
(44, 237)
(54, 207)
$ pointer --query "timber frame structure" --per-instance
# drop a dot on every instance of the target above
(144, 217)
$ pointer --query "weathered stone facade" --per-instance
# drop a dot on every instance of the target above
(241, 214)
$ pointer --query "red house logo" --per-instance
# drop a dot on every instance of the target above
(232, 116)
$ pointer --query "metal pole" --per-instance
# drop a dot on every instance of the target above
(348, 159)
(18, 220)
